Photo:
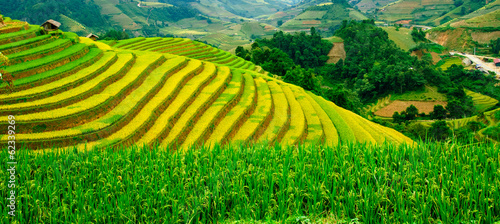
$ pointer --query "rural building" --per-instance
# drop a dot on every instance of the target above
(497, 62)
(93, 36)
(51, 25)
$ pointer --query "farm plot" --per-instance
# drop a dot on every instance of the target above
(111, 95)
(298, 126)
(261, 116)
(481, 102)
(214, 114)
(238, 114)
(188, 48)
(203, 101)
(314, 128)
(51, 75)
(107, 97)
(281, 118)
(164, 106)
(60, 85)
(398, 106)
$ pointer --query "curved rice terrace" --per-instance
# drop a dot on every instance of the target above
(159, 91)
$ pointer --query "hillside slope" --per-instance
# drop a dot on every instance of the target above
(467, 32)
(166, 91)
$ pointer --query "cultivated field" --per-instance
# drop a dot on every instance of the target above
(159, 91)
(423, 107)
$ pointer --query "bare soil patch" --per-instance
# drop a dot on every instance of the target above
(398, 105)
(336, 53)
(311, 22)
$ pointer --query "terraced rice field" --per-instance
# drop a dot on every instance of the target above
(481, 102)
(170, 92)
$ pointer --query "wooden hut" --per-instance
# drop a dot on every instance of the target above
(93, 36)
(51, 25)
(497, 62)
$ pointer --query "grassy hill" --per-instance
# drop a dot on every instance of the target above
(166, 91)
(402, 38)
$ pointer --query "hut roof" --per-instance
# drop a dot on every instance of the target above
(53, 22)
(496, 60)
(92, 35)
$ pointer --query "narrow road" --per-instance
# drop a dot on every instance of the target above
(488, 66)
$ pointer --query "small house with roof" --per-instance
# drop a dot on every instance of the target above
(497, 62)
(51, 25)
(93, 37)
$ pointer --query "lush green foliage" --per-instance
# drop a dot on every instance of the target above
(37, 12)
(418, 35)
(308, 51)
(386, 184)
(495, 46)
(375, 66)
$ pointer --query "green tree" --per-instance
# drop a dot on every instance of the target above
(277, 62)
(439, 130)
(438, 113)
(495, 46)
(280, 22)
(411, 112)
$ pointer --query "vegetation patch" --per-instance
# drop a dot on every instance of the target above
(398, 106)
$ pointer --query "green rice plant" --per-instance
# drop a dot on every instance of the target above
(236, 63)
(330, 132)
(71, 67)
(216, 111)
(345, 132)
(314, 128)
(107, 59)
(260, 118)
(193, 51)
(481, 102)
(46, 63)
(180, 50)
(125, 43)
(20, 35)
(202, 102)
(281, 117)
(435, 182)
(108, 94)
(40, 51)
(147, 41)
(205, 53)
(177, 101)
(163, 41)
(171, 42)
(166, 47)
(377, 135)
(150, 116)
(224, 57)
(81, 92)
(213, 56)
(113, 120)
(174, 85)
(10, 48)
(237, 114)
(361, 134)
(173, 48)
(297, 131)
